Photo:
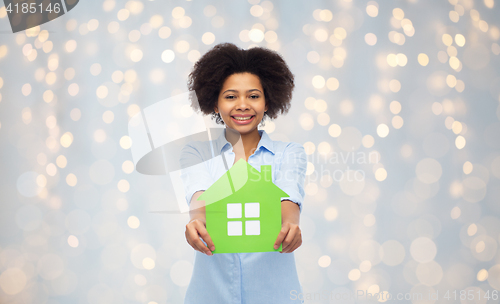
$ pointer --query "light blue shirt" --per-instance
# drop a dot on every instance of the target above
(262, 277)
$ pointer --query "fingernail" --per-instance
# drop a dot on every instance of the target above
(212, 248)
(275, 246)
(208, 253)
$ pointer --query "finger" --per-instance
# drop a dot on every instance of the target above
(292, 233)
(281, 236)
(201, 246)
(206, 237)
(196, 243)
(203, 233)
(292, 246)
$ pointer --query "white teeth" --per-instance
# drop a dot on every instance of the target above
(242, 118)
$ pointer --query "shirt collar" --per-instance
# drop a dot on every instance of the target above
(265, 141)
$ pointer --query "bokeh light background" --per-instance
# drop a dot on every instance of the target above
(396, 104)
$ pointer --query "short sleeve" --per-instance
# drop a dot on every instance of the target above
(292, 172)
(195, 174)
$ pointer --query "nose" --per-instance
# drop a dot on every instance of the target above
(242, 103)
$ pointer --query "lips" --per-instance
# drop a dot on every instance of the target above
(242, 119)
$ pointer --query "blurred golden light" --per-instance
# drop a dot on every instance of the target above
(324, 148)
(394, 85)
(320, 34)
(256, 10)
(182, 46)
(102, 92)
(108, 116)
(66, 139)
(113, 27)
(331, 214)
(397, 122)
(371, 39)
(73, 241)
(133, 222)
(346, 107)
(71, 180)
(123, 14)
(372, 9)
(382, 130)
(128, 166)
(309, 147)
(324, 261)
(133, 109)
(332, 83)
(26, 89)
(455, 213)
(73, 89)
(125, 142)
(454, 16)
(51, 169)
(75, 114)
(460, 40)
(380, 174)
(369, 220)
(61, 161)
(472, 229)
(123, 186)
(323, 119)
(334, 130)
(467, 167)
(447, 40)
(271, 36)
(70, 46)
(482, 275)
(340, 33)
(136, 55)
(365, 266)
(398, 13)
(354, 275)
(26, 115)
(318, 81)
(460, 142)
(178, 12)
(148, 263)
(451, 81)
(395, 107)
(41, 180)
(368, 141)
(156, 21)
(456, 127)
(100, 135)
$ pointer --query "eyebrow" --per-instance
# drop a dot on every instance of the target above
(230, 90)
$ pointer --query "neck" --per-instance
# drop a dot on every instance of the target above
(243, 142)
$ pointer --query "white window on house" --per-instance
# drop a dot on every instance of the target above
(252, 212)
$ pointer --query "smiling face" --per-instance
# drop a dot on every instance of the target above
(241, 102)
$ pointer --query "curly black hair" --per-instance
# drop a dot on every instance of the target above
(226, 59)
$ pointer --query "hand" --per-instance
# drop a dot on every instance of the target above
(291, 237)
(195, 229)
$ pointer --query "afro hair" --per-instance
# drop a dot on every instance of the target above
(226, 59)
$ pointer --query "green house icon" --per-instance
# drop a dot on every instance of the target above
(243, 210)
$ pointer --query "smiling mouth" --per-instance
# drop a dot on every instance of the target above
(243, 118)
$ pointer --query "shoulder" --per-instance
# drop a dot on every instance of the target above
(287, 147)
(197, 149)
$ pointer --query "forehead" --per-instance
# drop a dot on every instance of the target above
(243, 81)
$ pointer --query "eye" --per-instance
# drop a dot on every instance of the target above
(229, 97)
(255, 96)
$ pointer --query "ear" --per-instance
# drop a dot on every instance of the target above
(265, 109)
(216, 110)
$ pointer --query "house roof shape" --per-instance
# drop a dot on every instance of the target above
(239, 175)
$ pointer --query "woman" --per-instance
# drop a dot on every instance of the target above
(240, 88)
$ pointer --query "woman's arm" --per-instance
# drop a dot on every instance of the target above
(196, 227)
